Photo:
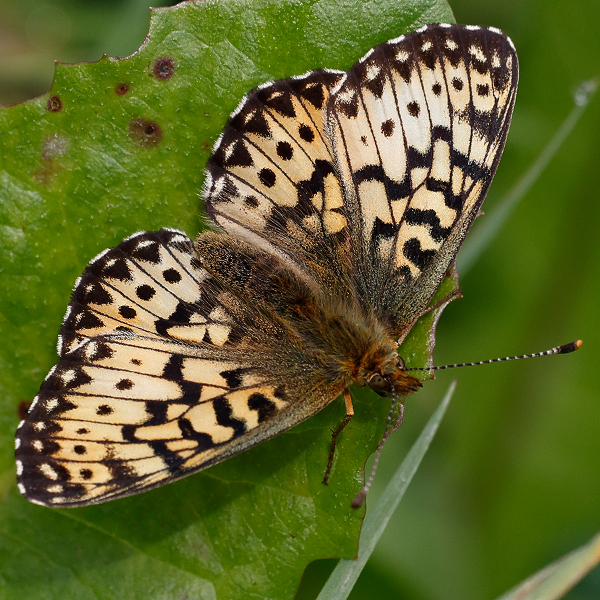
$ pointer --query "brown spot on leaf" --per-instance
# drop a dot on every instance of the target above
(54, 104)
(164, 68)
(121, 89)
(145, 133)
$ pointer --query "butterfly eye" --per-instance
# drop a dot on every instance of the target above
(378, 384)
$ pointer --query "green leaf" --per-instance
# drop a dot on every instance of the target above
(556, 579)
(118, 146)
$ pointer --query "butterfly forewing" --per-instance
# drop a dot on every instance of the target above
(141, 399)
(346, 197)
(417, 127)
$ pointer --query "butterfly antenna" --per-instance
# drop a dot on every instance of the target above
(565, 349)
(360, 497)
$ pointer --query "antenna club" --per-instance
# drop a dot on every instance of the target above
(565, 349)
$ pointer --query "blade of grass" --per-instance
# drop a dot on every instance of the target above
(346, 573)
(553, 581)
(481, 236)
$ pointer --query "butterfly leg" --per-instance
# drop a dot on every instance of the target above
(454, 294)
(334, 436)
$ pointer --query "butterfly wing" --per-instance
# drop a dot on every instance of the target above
(417, 128)
(271, 180)
(162, 373)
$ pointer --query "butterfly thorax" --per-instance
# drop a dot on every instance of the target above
(327, 328)
(356, 347)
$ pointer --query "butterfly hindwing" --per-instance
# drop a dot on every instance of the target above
(271, 180)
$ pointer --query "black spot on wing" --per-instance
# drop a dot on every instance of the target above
(266, 408)
(413, 108)
(225, 416)
(172, 275)
(127, 312)
(267, 177)
(415, 216)
(145, 292)
(124, 384)
(413, 252)
(204, 440)
(306, 133)
(457, 84)
(387, 127)
(285, 150)
(483, 89)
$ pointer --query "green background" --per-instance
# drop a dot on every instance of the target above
(512, 479)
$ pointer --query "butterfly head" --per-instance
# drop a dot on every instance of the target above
(387, 377)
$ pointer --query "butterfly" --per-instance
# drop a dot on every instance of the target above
(343, 198)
